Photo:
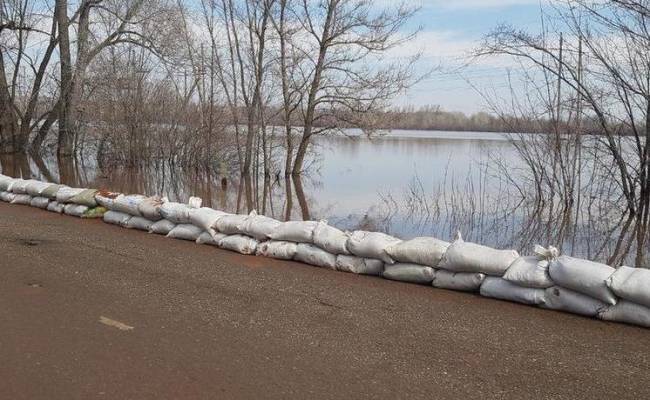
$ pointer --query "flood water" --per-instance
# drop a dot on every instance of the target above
(406, 183)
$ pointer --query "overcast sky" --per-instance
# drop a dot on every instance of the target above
(450, 30)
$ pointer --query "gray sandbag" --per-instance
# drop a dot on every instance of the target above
(421, 250)
(51, 190)
(128, 204)
(185, 232)
(259, 226)
(631, 284)
(330, 239)
(7, 196)
(106, 199)
(231, 224)
(39, 202)
(55, 206)
(371, 245)
(116, 218)
(499, 288)
(239, 243)
(75, 210)
(627, 312)
(139, 223)
(35, 188)
(205, 218)
(24, 199)
(359, 265)
(162, 227)
(177, 213)
(277, 249)
(532, 271)
(412, 273)
(5, 183)
(461, 281)
(85, 198)
(561, 299)
(294, 231)
(207, 238)
(464, 256)
(582, 276)
(149, 208)
(64, 194)
(312, 255)
(19, 186)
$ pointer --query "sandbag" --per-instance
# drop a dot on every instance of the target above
(185, 232)
(39, 202)
(359, 265)
(210, 239)
(116, 218)
(66, 193)
(205, 218)
(421, 250)
(55, 206)
(5, 183)
(532, 271)
(464, 256)
(412, 273)
(177, 213)
(149, 208)
(128, 204)
(294, 231)
(19, 186)
(627, 312)
(21, 199)
(330, 239)
(7, 196)
(162, 227)
(462, 281)
(35, 188)
(106, 199)
(499, 288)
(310, 254)
(586, 277)
(139, 223)
(561, 299)
(51, 190)
(259, 226)
(631, 284)
(85, 198)
(240, 243)
(95, 212)
(371, 245)
(277, 249)
(231, 224)
(75, 210)
(195, 202)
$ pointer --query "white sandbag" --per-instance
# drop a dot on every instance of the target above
(177, 213)
(195, 202)
(371, 245)
(532, 271)
(462, 281)
(210, 239)
(277, 249)
(471, 257)
(39, 202)
(34, 188)
(106, 199)
(561, 299)
(75, 210)
(294, 231)
(586, 277)
(240, 243)
(359, 265)
(56, 207)
(21, 199)
(205, 218)
(116, 218)
(627, 312)
(310, 254)
(259, 226)
(631, 284)
(330, 239)
(66, 193)
(5, 183)
(139, 223)
(19, 186)
(231, 224)
(7, 196)
(162, 227)
(149, 208)
(421, 250)
(412, 273)
(128, 204)
(185, 232)
(499, 288)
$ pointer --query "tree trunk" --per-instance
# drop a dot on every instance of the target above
(66, 133)
(10, 139)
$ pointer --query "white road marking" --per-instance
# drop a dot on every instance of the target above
(115, 324)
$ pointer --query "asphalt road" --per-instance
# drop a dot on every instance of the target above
(92, 311)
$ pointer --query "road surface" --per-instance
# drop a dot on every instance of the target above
(93, 311)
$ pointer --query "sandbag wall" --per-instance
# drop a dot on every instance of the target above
(544, 279)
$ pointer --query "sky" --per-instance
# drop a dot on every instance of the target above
(450, 30)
